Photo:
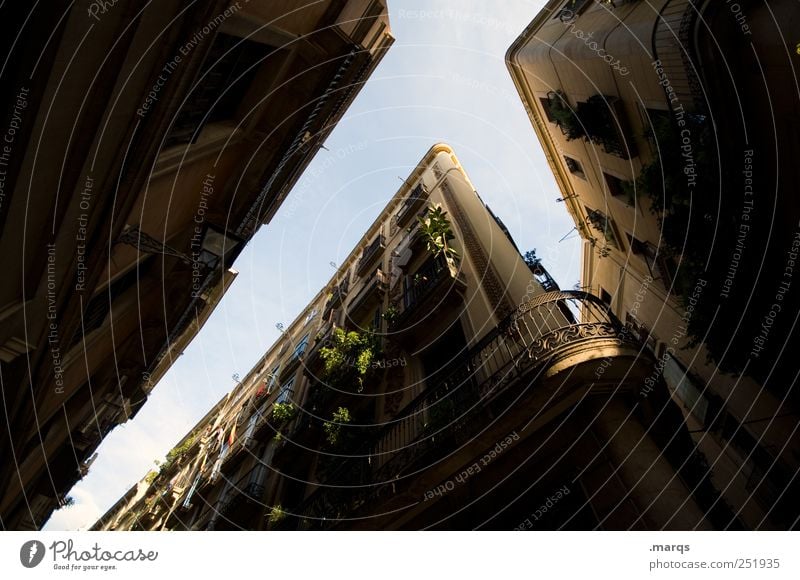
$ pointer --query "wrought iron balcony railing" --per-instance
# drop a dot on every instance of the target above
(432, 279)
(414, 200)
(370, 254)
(337, 297)
(374, 288)
(606, 125)
(236, 505)
(540, 333)
(673, 47)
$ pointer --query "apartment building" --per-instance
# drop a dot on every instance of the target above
(438, 381)
(144, 145)
(645, 143)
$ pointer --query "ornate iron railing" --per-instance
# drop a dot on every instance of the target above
(414, 200)
(424, 283)
(375, 284)
(519, 347)
(673, 46)
(337, 297)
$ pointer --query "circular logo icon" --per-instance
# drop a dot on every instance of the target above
(31, 553)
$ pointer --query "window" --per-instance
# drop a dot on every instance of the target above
(614, 185)
(605, 296)
(574, 166)
(301, 347)
(679, 381)
(96, 310)
(376, 320)
(603, 224)
(311, 315)
(545, 101)
(287, 390)
(640, 332)
(646, 251)
(655, 118)
(223, 81)
(658, 265)
(251, 427)
(570, 9)
(273, 378)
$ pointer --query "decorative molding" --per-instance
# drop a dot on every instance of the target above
(489, 280)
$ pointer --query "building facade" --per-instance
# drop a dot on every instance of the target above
(143, 147)
(437, 381)
(639, 133)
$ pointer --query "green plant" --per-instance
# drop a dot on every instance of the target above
(565, 116)
(333, 428)
(174, 454)
(276, 515)
(437, 231)
(348, 358)
(532, 260)
(677, 182)
(283, 412)
(391, 313)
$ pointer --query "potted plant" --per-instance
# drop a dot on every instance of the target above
(565, 116)
(391, 313)
(437, 231)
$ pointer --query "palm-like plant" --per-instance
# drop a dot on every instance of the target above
(438, 231)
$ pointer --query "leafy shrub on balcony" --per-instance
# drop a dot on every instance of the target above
(700, 233)
(391, 313)
(282, 413)
(602, 126)
(175, 454)
(276, 515)
(348, 359)
(437, 232)
(665, 181)
(333, 428)
(565, 116)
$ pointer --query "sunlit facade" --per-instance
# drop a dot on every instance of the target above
(600, 82)
(491, 399)
(149, 145)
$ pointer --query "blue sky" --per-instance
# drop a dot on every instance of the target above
(443, 80)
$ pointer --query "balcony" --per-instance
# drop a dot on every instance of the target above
(370, 296)
(676, 53)
(298, 437)
(413, 237)
(239, 508)
(412, 203)
(337, 297)
(606, 125)
(370, 255)
(556, 337)
(430, 287)
(297, 357)
(600, 119)
(564, 115)
(313, 358)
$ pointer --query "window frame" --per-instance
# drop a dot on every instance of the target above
(286, 392)
(579, 171)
